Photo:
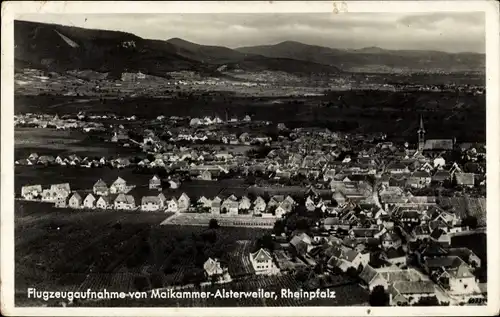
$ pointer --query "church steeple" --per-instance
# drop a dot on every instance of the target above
(421, 135)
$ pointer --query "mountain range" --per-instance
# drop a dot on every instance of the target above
(60, 48)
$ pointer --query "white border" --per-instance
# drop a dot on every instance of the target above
(10, 9)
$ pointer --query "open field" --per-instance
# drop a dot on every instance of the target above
(62, 142)
(447, 114)
(67, 250)
(193, 219)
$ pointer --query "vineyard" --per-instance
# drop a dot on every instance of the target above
(127, 251)
(466, 206)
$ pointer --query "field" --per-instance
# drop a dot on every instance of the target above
(466, 206)
(68, 250)
(192, 219)
(61, 142)
(446, 114)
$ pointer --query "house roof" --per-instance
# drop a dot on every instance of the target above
(438, 144)
(368, 274)
(100, 183)
(261, 255)
(444, 261)
(464, 178)
(415, 287)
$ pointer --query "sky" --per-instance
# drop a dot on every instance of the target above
(444, 31)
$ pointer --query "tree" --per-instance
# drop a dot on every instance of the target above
(379, 297)
(470, 221)
(213, 224)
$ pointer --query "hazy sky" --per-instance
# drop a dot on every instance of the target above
(452, 32)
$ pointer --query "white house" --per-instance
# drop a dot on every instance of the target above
(263, 263)
(118, 186)
(124, 202)
(75, 201)
(104, 202)
(151, 203)
(183, 202)
(31, 191)
(259, 205)
(172, 205)
(89, 201)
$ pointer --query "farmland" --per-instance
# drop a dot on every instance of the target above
(61, 142)
(447, 114)
(193, 219)
(69, 250)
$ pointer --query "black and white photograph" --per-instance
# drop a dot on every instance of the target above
(278, 159)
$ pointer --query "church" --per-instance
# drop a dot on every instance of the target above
(432, 145)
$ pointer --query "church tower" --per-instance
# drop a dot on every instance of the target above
(421, 135)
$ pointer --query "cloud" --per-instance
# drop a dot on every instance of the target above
(453, 31)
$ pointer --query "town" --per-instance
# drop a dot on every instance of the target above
(336, 208)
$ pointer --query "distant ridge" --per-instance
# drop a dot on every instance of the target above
(59, 48)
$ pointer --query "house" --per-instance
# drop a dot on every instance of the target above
(213, 267)
(408, 293)
(205, 175)
(100, 188)
(396, 256)
(230, 206)
(184, 202)
(419, 179)
(33, 157)
(172, 205)
(452, 273)
(118, 186)
(301, 243)
(440, 236)
(75, 201)
(245, 203)
(259, 205)
(386, 276)
(105, 202)
(215, 207)
(204, 202)
(441, 176)
(263, 263)
(89, 201)
(155, 183)
(151, 203)
(46, 160)
(464, 179)
(30, 192)
(390, 240)
(124, 202)
(60, 190)
(467, 256)
(438, 145)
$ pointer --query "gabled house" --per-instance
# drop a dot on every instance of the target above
(155, 183)
(124, 202)
(263, 263)
(301, 243)
(212, 267)
(61, 190)
(31, 192)
(151, 203)
(100, 188)
(184, 202)
(204, 202)
(118, 186)
(259, 205)
(390, 240)
(172, 205)
(230, 206)
(244, 204)
(408, 293)
(75, 201)
(105, 202)
(215, 207)
(89, 201)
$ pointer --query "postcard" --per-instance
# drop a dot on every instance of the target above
(238, 158)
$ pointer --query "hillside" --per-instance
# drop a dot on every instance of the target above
(206, 53)
(60, 48)
(372, 58)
